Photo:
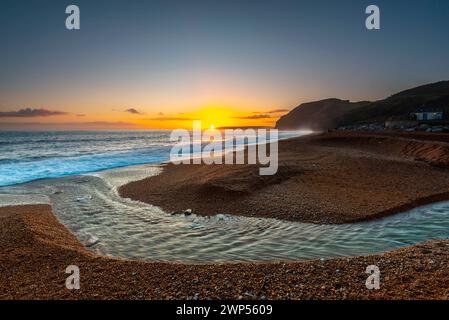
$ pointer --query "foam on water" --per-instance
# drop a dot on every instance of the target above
(28, 156)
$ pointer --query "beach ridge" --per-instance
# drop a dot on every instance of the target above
(332, 178)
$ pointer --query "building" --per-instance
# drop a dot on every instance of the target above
(428, 114)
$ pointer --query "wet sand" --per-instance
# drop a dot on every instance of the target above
(35, 249)
(332, 178)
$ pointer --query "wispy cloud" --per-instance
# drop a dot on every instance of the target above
(133, 111)
(278, 111)
(254, 117)
(31, 113)
(272, 111)
(170, 119)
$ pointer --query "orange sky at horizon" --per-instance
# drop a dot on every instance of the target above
(139, 119)
(215, 101)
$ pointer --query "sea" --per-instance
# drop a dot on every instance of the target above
(27, 156)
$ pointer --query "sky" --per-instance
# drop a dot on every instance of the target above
(160, 64)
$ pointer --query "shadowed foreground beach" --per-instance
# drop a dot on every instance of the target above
(336, 177)
(35, 249)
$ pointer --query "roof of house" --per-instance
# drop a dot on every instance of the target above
(428, 110)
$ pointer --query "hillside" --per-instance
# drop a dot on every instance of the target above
(317, 115)
(330, 113)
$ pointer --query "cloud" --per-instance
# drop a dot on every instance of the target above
(133, 111)
(254, 117)
(278, 111)
(170, 119)
(273, 111)
(31, 113)
(80, 115)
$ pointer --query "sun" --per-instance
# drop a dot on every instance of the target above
(209, 117)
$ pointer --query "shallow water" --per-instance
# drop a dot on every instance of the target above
(90, 206)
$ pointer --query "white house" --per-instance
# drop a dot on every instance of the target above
(427, 114)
